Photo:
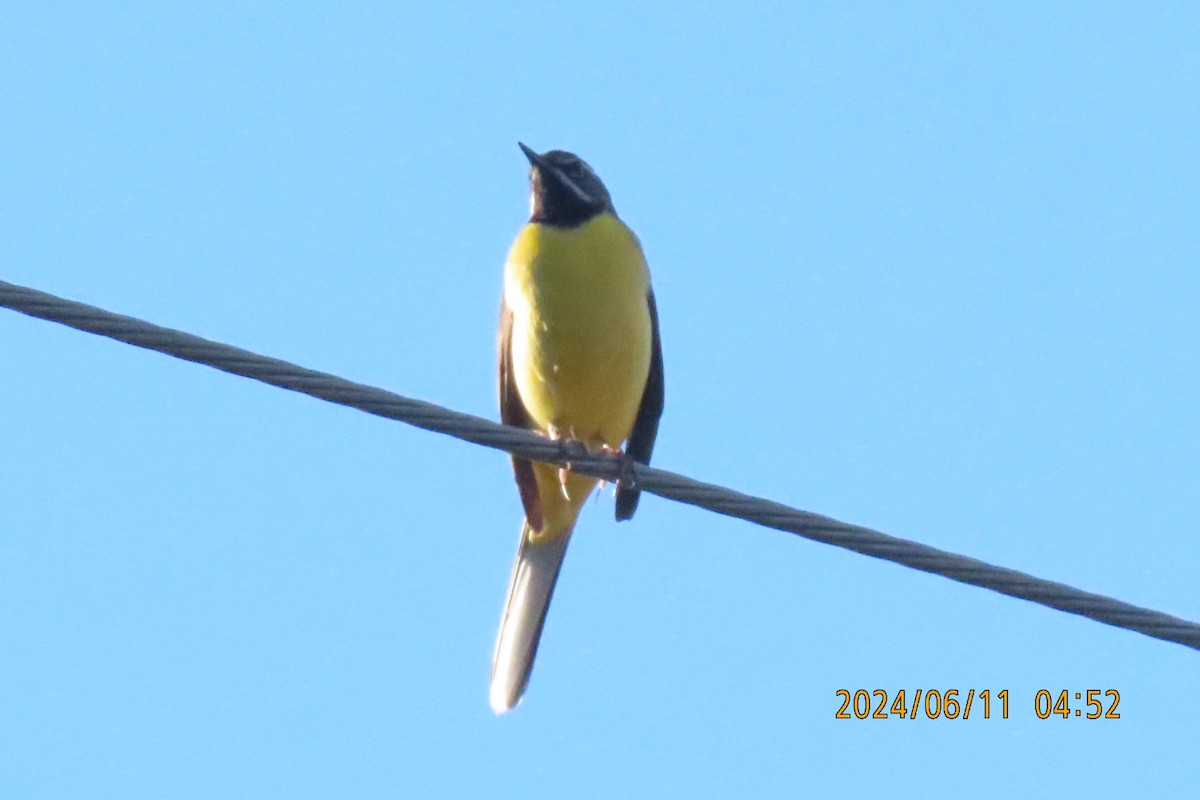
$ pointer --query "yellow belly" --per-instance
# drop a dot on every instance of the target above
(581, 328)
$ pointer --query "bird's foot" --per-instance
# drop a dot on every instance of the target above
(569, 449)
(625, 475)
(563, 473)
(616, 452)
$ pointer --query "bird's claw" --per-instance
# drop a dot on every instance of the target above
(626, 478)
(569, 450)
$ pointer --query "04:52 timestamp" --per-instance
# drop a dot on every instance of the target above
(956, 704)
(1045, 704)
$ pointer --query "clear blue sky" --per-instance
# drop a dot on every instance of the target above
(934, 270)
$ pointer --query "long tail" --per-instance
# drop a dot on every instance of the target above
(529, 592)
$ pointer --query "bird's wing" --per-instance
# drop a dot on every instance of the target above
(645, 427)
(512, 412)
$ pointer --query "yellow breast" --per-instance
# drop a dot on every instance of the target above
(581, 327)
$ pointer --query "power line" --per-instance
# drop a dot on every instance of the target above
(660, 482)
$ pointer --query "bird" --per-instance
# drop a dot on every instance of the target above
(580, 359)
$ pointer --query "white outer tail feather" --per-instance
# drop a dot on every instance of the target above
(534, 575)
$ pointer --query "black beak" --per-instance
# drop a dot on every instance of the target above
(553, 173)
(534, 158)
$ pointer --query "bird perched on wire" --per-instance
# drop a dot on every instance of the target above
(580, 359)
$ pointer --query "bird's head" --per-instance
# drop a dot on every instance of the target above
(566, 191)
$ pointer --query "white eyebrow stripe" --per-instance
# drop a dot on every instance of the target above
(574, 187)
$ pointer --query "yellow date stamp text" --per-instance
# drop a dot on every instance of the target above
(965, 703)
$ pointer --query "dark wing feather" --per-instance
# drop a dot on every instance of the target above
(512, 412)
(645, 427)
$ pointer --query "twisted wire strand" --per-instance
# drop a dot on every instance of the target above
(666, 484)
